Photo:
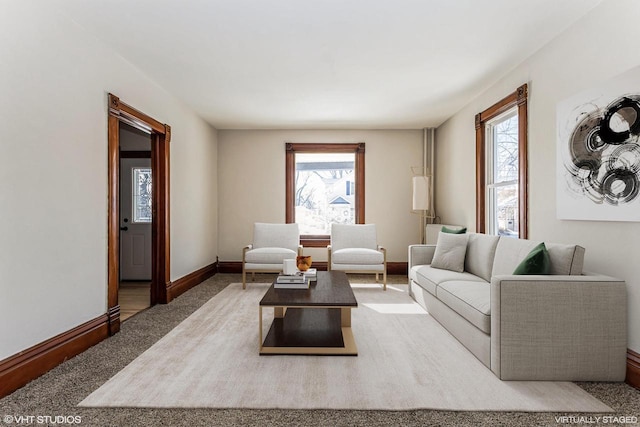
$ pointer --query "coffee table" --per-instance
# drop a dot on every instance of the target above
(314, 321)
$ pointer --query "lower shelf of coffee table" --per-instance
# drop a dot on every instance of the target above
(309, 331)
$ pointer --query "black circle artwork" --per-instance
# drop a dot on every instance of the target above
(605, 155)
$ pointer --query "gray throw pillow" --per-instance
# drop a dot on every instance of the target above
(450, 252)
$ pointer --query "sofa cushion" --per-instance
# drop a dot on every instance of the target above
(565, 259)
(358, 256)
(509, 253)
(536, 262)
(450, 252)
(429, 278)
(269, 255)
(481, 250)
(471, 300)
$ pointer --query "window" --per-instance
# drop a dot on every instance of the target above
(501, 167)
(324, 185)
(141, 181)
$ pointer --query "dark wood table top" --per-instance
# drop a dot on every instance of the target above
(332, 288)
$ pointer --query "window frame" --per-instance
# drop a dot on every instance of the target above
(517, 99)
(322, 240)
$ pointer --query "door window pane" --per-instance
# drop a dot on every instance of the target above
(141, 195)
(324, 191)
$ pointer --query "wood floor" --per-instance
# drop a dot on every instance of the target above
(133, 298)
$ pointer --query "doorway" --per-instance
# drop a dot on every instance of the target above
(145, 202)
(136, 186)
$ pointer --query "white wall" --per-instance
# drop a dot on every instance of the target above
(251, 167)
(598, 47)
(54, 81)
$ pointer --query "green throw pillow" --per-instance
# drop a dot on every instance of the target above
(536, 262)
(452, 231)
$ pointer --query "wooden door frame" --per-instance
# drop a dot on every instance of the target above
(160, 138)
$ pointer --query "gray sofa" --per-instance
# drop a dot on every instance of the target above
(565, 326)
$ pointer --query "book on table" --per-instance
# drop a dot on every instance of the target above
(311, 273)
(303, 285)
(291, 278)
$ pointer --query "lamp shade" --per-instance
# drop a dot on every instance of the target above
(420, 193)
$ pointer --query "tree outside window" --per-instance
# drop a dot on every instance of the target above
(325, 185)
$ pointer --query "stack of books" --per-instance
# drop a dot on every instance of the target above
(312, 274)
(292, 281)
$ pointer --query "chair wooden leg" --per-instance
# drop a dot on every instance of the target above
(244, 279)
(377, 278)
(384, 280)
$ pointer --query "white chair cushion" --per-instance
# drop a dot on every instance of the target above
(353, 236)
(276, 236)
(269, 255)
(358, 256)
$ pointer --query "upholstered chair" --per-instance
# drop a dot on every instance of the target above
(354, 249)
(272, 244)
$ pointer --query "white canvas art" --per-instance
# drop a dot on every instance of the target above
(598, 157)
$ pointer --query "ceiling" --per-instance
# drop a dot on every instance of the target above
(325, 64)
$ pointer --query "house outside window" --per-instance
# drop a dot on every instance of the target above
(325, 185)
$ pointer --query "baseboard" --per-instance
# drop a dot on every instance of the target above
(633, 369)
(399, 268)
(230, 267)
(187, 282)
(114, 320)
(21, 368)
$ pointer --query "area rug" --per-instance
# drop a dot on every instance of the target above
(406, 360)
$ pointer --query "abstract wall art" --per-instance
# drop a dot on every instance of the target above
(598, 157)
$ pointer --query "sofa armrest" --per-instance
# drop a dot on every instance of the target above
(420, 255)
(563, 328)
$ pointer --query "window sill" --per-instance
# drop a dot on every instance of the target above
(317, 241)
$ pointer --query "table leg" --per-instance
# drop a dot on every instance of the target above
(260, 323)
(345, 316)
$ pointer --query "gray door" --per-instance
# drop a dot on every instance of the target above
(135, 219)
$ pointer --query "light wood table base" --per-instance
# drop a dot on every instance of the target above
(309, 331)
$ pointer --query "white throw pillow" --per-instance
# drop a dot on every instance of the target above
(450, 252)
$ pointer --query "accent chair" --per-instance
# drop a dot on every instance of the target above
(272, 244)
(354, 249)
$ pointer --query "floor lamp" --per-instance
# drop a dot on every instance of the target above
(421, 201)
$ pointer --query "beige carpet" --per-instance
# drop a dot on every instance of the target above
(406, 361)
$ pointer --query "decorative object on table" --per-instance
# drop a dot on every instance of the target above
(303, 262)
(598, 158)
(289, 266)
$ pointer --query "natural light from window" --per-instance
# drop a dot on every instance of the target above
(502, 176)
(324, 191)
